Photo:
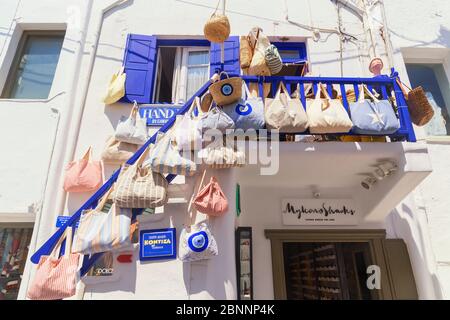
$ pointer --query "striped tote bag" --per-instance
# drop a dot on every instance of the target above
(166, 158)
(139, 187)
(101, 231)
(56, 278)
(273, 59)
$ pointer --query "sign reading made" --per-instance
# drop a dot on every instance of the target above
(158, 114)
(319, 212)
(157, 244)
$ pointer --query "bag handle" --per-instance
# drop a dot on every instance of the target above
(321, 88)
(283, 87)
(105, 197)
(363, 89)
(402, 87)
(67, 235)
(121, 71)
(134, 110)
(87, 155)
(195, 103)
(197, 187)
(225, 73)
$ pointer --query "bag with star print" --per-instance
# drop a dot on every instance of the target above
(248, 112)
(373, 117)
(327, 115)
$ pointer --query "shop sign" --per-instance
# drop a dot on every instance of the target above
(158, 115)
(319, 212)
(157, 244)
(62, 220)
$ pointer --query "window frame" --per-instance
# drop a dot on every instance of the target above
(14, 68)
(190, 45)
(293, 46)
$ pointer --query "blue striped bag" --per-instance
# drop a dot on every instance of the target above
(166, 158)
(100, 232)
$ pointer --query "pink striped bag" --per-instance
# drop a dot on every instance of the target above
(56, 278)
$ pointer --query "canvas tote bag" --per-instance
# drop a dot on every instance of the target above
(258, 66)
(140, 187)
(215, 118)
(197, 243)
(117, 152)
(100, 231)
(284, 113)
(219, 156)
(327, 115)
(56, 278)
(248, 112)
(166, 158)
(116, 87)
(83, 175)
(132, 129)
(187, 134)
(373, 116)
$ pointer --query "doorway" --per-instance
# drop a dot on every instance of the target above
(340, 265)
(327, 271)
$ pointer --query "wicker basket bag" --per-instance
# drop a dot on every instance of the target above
(420, 109)
(217, 28)
(226, 91)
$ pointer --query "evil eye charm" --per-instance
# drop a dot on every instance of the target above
(198, 242)
(226, 89)
(243, 110)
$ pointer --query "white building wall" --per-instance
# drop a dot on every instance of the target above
(69, 138)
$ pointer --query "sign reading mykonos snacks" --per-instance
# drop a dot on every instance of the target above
(319, 212)
(157, 244)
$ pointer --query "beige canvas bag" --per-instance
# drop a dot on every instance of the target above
(117, 152)
(140, 187)
(258, 66)
(327, 115)
(284, 113)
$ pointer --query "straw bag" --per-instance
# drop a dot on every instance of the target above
(116, 87)
(132, 129)
(327, 115)
(100, 231)
(420, 109)
(166, 158)
(258, 66)
(284, 113)
(56, 278)
(139, 187)
(273, 59)
(226, 91)
(248, 112)
(373, 116)
(187, 134)
(117, 152)
(83, 175)
(217, 28)
(245, 52)
(210, 199)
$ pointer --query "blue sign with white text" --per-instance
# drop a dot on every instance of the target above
(157, 244)
(158, 115)
(62, 220)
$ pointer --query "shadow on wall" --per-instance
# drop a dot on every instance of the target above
(405, 227)
(442, 39)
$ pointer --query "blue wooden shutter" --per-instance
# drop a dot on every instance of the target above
(140, 65)
(231, 56)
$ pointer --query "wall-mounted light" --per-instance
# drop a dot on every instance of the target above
(369, 181)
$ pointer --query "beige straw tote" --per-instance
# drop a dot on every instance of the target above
(217, 28)
(420, 109)
(226, 91)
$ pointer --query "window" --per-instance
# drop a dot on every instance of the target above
(181, 71)
(293, 55)
(14, 243)
(434, 81)
(32, 72)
